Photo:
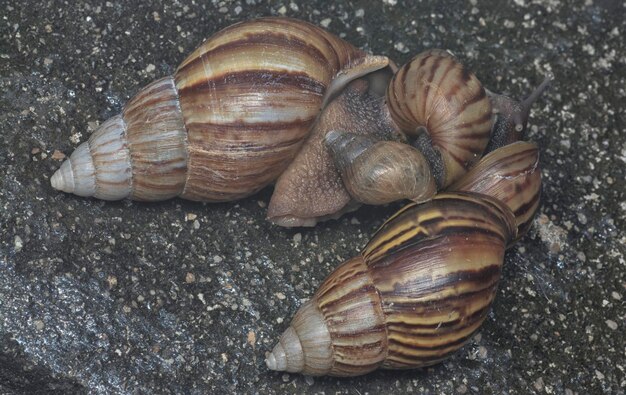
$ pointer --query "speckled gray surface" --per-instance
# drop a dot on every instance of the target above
(180, 297)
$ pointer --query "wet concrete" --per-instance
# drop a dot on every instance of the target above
(181, 297)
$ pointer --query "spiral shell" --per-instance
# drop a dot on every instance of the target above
(512, 175)
(419, 290)
(380, 172)
(436, 98)
(226, 124)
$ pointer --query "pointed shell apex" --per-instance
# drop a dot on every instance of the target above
(63, 178)
(77, 174)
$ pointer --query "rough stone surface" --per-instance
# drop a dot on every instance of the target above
(181, 297)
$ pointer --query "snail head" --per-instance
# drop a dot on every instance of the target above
(512, 115)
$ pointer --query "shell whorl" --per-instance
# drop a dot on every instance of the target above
(421, 287)
(380, 172)
(348, 311)
(140, 154)
(435, 94)
(231, 118)
(99, 167)
(249, 97)
(305, 346)
(512, 175)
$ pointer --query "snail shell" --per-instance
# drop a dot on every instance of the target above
(226, 124)
(442, 103)
(377, 172)
(512, 175)
(418, 291)
(424, 283)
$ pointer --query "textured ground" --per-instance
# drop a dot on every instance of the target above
(180, 297)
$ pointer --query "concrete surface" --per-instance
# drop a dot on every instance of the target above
(180, 297)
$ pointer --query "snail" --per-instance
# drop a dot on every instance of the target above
(226, 124)
(441, 107)
(269, 100)
(425, 281)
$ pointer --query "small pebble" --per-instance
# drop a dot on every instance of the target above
(18, 244)
(39, 325)
(58, 155)
(112, 281)
(400, 47)
(611, 324)
(190, 278)
(251, 339)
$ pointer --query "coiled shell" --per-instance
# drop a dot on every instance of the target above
(512, 175)
(437, 99)
(226, 124)
(418, 291)
(380, 172)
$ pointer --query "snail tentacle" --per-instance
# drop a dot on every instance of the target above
(512, 116)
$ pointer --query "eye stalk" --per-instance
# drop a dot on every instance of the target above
(512, 115)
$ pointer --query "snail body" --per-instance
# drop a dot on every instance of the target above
(425, 281)
(226, 124)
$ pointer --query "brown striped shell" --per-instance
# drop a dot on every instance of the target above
(436, 97)
(418, 291)
(512, 175)
(226, 124)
